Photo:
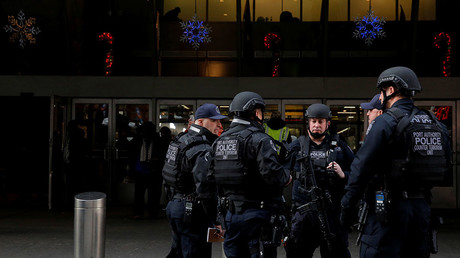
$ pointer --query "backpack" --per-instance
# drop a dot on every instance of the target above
(427, 162)
(172, 172)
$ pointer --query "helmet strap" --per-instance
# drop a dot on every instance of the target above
(386, 98)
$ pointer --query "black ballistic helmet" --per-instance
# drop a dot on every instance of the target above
(246, 102)
(318, 111)
(402, 78)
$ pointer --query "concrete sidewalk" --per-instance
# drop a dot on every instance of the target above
(43, 233)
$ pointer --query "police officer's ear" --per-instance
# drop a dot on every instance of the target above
(391, 89)
(328, 123)
(199, 122)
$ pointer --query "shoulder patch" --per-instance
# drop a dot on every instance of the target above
(171, 154)
(273, 146)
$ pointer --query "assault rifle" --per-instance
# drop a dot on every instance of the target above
(362, 219)
(320, 202)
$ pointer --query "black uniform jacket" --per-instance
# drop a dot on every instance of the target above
(374, 157)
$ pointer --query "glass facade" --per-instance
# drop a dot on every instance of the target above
(145, 44)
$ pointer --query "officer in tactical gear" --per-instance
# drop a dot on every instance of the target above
(190, 210)
(321, 163)
(250, 180)
(406, 152)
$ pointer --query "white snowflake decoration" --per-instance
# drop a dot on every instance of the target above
(22, 29)
(195, 32)
(369, 27)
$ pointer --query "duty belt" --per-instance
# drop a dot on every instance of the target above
(408, 195)
(239, 207)
(187, 197)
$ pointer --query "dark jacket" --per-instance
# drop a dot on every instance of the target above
(265, 177)
(334, 185)
(374, 157)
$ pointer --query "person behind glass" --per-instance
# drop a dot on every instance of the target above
(399, 197)
(76, 152)
(185, 173)
(374, 109)
(147, 173)
(249, 177)
(321, 163)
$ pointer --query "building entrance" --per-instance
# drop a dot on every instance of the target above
(104, 129)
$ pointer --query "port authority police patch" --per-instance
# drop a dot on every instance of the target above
(227, 149)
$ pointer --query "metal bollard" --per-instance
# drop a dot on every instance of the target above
(89, 225)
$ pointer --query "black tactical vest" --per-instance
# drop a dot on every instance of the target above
(230, 167)
(426, 142)
(172, 172)
(320, 158)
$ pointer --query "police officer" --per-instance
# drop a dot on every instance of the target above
(185, 173)
(250, 179)
(321, 164)
(399, 213)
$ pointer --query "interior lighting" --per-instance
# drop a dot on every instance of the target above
(344, 130)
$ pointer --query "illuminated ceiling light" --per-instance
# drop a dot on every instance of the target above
(225, 14)
(349, 107)
(346, 113)
(221, 1)
(184, 106)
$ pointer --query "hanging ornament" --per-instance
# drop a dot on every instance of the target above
(272, 41)
(369, 27)
(108, 57)
(442, 40)
(195, 32)
(22, 29)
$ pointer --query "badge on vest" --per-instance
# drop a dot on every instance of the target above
(227, 149)
(318, 154)
(171, 154)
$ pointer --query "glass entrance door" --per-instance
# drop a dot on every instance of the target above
(348, 121)
(175, 114)
(106, 127)
(90, 141)
(127, 116)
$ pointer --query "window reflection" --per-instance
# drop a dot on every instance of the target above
(222, 10)
(270, 10)
(187, 8)
(443, 113)
(295, 119)
(347, 121)
(175, 117)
